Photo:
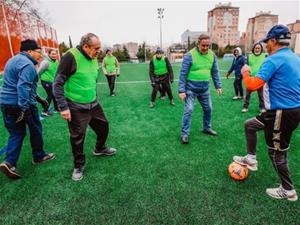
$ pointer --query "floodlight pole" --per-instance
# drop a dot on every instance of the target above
(160, 12)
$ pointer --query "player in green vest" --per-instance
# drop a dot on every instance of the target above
(47, 71)
(255, 60)
(111, 70)
(161, 74)
(198, 66)
(75, 89)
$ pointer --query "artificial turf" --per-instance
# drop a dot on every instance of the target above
(153, 179)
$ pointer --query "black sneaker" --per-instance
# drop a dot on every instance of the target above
(10, 171)
(105, 152)
(184, 139)
(46, 158)
(210, 132)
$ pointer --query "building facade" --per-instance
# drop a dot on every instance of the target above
(132, 48)
(222, 25)
(295, 33)
(258, 27)
(190, 36)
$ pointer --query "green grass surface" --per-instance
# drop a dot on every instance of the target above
(153, 179)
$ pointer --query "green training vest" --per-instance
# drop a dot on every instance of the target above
(49, 74)
(160, 66)
(110, 64)
(201, 65)
(81, 86)
(255, 62)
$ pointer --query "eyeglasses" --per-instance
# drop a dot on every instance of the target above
(38, 51)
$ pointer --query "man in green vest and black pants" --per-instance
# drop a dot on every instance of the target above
(255, 60)
(160, 73)
(111, 69)
(76, 94)
(198, 66)
(47, 71)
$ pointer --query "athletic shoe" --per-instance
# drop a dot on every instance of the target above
(210, 132)
(262, 110)
(45, 114)
(172, 103)
(185, 139)
(235, 97)
(46, 158)
(152, 104)
(77, 173)
(281, 193)
(105, 152)
(10, 171)
(162, 97)
(246, 161)
(244, 110)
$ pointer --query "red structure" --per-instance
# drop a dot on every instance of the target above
(16, 26)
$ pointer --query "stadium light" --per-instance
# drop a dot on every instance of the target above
(160, 12)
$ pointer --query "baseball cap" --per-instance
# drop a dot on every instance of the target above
(277, 32)
(29, 44)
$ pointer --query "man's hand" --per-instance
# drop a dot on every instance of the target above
(66, 114)
(182, 96)
(227, 75)
(44, 104)
(219, 91)
(246, 68)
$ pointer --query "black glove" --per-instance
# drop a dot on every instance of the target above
(43, 102)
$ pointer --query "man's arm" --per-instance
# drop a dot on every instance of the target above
(170, 70)
(151, 71)
(103, 68)
(26, 78)
(43, 67)
(67, 67)
(185, 69)
(215, 74)
(251, 83)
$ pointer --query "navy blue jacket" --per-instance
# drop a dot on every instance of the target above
(237, 65)
(19, 82)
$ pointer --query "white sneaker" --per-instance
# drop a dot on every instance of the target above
(262, 110)
(281, 193)
(77, 174)
(244, 110)
(246, 161)
(235, 97)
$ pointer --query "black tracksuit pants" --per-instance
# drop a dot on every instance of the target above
(50, 97)
(165, 83)
(80, 119)
(111, 80)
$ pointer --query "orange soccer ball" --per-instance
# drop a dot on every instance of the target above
(237, 171)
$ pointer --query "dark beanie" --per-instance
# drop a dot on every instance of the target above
(29, 45)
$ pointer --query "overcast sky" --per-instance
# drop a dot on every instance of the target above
(126, 21)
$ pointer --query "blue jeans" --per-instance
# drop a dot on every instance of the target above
(17, 133)
(204, 98)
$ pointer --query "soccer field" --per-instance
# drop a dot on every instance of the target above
(153, 179)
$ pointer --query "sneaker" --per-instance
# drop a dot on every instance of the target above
(46, 158)
(152, 104)
(262, 110)
(45, 114)
(210, 132)
(105, 152)
(10, 171)
(235, 97)
(184, 139)
(162, 97)
(172, 103)
(246, 161)
(77, 173)
(281, 193)
(244, 110)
